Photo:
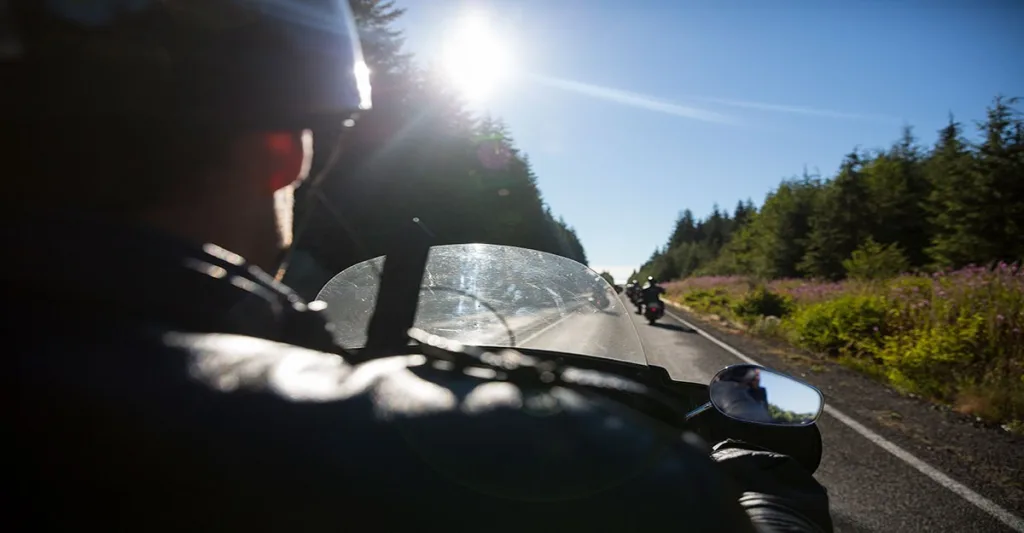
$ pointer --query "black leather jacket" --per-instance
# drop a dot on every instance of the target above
(164, 387)
(652, 293)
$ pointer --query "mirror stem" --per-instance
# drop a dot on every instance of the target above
(698, 411)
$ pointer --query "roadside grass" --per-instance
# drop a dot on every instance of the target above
(951, 337)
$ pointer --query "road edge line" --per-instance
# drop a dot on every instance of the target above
(545, 329)
(954, 486)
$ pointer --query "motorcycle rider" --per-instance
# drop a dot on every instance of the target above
(635, 297)
(164, 381)
(651, 292)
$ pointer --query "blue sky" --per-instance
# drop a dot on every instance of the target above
(633, 110)
(789, 396)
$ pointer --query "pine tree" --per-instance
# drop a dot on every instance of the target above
(419, 154)
(897, 193)
(685, 229)
(841, 220)
(884, 211)
(976, 202)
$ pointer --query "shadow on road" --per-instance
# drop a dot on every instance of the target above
(673, 327)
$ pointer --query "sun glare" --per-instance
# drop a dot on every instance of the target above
(475, 59)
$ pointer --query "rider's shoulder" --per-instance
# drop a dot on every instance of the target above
(242, 364)
(411, 391)
(399, 387)
(481, 431)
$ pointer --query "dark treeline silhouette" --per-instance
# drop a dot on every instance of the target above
(418, 154)
(885, 211)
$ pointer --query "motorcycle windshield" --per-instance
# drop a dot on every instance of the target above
(487, 295)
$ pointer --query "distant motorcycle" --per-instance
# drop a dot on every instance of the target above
(633, 294)
(649, 296)
(638, 301)
(653, 311)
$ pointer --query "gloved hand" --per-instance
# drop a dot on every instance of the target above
(778, 494)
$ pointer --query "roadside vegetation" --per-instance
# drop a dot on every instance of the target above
(781, 415)
(955, 337)
(905, 265)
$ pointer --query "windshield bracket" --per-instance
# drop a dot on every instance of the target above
(399, 293)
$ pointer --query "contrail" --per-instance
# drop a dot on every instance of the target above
(797, 109)
(697, 113)
(636, 100)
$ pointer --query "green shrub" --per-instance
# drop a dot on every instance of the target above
(713, 300)
(762, 302)
(850, 325)
(873, 261)
(935, 361)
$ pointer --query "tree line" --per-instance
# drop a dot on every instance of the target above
(417, 154)
(885, 211)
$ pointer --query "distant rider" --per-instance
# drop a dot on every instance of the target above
(651, 292)
(631, 289)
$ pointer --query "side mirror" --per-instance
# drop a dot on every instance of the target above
(751, 393)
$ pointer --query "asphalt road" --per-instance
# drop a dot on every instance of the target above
(871, 489)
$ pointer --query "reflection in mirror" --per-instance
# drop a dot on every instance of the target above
(752, 393)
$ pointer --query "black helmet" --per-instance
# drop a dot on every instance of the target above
(651, 280)
(739, 374)
(240, 63)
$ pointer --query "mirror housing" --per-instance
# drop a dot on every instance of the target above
(755, 394)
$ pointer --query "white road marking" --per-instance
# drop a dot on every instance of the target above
(956, 487)
(492, 341)
(545, 329)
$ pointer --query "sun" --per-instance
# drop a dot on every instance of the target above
(474, 58)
